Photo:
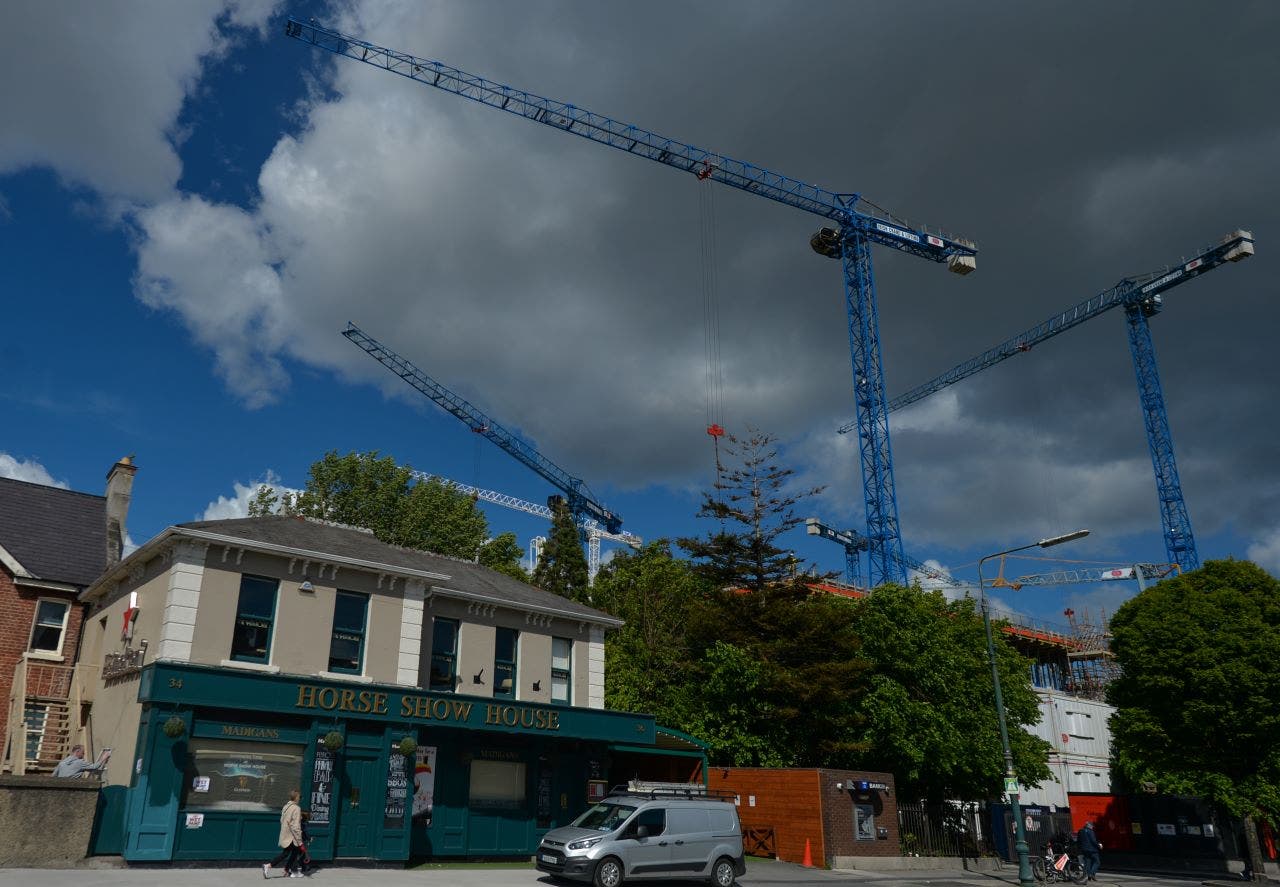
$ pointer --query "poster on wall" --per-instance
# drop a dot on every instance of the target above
(321, 784)
(596, 790)
(424, 784)
(397, 790)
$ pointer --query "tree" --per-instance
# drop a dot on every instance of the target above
(1195, 704)
(502, 554)
(563, 567)
(752, 496)
(931, 717)
(805, 686)
(265, 501)
(365, 490)
(647, 667)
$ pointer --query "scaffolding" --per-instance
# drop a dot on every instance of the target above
(1093, 666)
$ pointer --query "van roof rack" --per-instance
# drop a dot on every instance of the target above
(653, 791)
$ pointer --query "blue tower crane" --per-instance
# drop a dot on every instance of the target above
(582, 504)
(857, 225)
(1141, 297)
(854, 543)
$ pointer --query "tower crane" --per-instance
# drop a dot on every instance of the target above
(582, 504)
(854, 543)
(1141, 297)
(591, 528)
(854, 224)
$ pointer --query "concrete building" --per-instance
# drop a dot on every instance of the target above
(53, 544)
(424, 706)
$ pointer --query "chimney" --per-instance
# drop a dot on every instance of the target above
(119, 491)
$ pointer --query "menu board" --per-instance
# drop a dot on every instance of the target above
(544, 797)
(397, 790)
(321, 785)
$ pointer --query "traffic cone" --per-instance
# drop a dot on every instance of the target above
(808, 855)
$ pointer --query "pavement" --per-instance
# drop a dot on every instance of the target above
(760, 873)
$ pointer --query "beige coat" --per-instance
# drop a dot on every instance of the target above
(290, 824)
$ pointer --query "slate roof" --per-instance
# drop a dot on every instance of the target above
(56, 535)
(326, 538)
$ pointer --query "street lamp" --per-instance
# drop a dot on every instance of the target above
(1025, 877)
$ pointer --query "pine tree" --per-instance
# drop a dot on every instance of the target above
(751, 501)
(563, 567)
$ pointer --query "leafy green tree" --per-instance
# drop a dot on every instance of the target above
(1196, 705)
(563, 567)
(931, 717)
(733, 713)
(502, 554)
(754, 505)
(265, 501)
(647, 666)
(365, 490)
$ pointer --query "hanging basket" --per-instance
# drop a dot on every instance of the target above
(174, 727)
(333, 740)
(408, 746)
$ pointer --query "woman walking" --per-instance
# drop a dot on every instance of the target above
(290, 839)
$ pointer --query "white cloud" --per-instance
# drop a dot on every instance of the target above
(1265, 552)
(29, 470)
(237, 504)
(101, 110)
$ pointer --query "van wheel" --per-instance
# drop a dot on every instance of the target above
(608, 872)
(722, 873)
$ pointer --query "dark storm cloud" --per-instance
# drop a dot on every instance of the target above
(559, 284)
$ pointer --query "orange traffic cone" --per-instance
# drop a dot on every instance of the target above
(808, 855)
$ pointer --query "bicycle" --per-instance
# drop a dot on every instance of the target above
(1061, 866)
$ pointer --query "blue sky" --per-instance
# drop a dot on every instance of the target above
(192, 206)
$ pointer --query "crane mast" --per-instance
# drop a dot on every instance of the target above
(1141, 297)
(857, 224)
(581, 501)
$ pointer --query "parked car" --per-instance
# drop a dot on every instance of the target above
(649, 835)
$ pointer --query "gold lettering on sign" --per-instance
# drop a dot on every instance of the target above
(379, 703)
(306, 697)
(348, 700)
(493, 714)
(327, 698)
(254, 732)
(440, 709)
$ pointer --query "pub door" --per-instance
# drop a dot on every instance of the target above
(359, 803)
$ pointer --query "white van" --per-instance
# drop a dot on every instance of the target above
(648, 835)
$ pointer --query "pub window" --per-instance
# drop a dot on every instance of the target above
(50, 626)
(346, 645)
(561, 655)
(444, 655)
(497, 785)
(255, 614)
(504, 663)
(223, 774)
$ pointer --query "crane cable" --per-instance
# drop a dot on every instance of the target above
(711, 313)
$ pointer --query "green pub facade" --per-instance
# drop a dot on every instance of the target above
(424, 707)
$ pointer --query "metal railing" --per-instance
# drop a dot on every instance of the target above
(948, 829)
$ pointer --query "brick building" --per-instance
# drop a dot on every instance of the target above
(53, 544)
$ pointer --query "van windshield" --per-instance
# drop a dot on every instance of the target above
(604, 817)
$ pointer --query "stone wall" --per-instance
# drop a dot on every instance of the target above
(46, 822)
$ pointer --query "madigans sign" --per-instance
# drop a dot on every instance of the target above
(426, 708)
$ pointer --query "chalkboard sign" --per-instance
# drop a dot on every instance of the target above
(544, 797)
(397, 790)
(321, 785)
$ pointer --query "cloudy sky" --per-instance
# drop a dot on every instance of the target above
(192, 206)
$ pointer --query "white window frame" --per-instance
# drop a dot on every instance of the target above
(62, 634)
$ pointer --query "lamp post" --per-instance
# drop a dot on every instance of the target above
(1025, 877)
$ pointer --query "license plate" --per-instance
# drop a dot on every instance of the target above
(547, 857)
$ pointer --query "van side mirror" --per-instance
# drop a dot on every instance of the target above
(642, 831)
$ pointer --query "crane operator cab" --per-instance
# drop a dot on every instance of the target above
(649, 835)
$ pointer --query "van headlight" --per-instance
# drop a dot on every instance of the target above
(583, 845)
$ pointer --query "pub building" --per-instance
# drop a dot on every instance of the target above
(424, 706)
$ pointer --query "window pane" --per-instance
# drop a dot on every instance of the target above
(560, 650)
(559, 687)
(51, 613)
(444, 636)
(349, 611)
(240, 775)
(504, 678)
(505, 645)
(46, 639)
(344, 652)
(497, 784)
(257, 597)
(442, 672)
(255, 611)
